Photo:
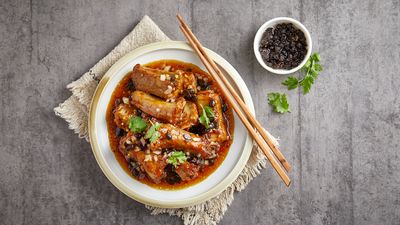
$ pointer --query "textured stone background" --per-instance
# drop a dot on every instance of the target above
(342, 139)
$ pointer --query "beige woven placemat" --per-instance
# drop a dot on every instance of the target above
(75, 111)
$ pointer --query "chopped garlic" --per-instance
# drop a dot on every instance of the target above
(162, 77)
(157, 152)
(147, 158)
(196, 139)
(125, 100)
(169, 90)
(142, 141)
(158, 110)
(167, 68)
(155, 158)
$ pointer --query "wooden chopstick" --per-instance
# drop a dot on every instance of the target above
(252, 119)
(221, 81)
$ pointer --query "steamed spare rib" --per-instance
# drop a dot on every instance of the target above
(209, 98)
(176, 138)
(122, 115)
(187, 171)
(161, 83)
(181, 112)
(153, 164)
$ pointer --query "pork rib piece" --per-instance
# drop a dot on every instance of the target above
(161, 83)
(180, 113)
(176, 138)
(153, 165)
(205, 98)
(122, 115)
(187, 171)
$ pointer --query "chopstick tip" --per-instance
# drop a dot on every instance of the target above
(180, 18)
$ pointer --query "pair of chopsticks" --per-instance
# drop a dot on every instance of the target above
(252, 125)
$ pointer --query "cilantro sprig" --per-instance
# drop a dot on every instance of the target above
(152, 134)
(137, 124)
(279, 102)
(311, 69)
(176, 158)
(207, 114)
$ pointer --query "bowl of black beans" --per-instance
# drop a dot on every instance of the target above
(282, 45)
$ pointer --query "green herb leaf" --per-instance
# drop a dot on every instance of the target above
(279, 102)
(311, 70)
(291, 82)
(209, 112)
(155, 136)
(306, 83)
(205, 116)
(152, 133)
(318, 67)
(137, 124)
(176, 158)
(315, 57)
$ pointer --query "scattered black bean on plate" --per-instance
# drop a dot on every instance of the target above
(171, 176)
(119, 132)
(212, 103)
(130, 86)
(283, 46)
(117, 102)
(204, 85)
(138, 112)
(189, 94)
(199, 129)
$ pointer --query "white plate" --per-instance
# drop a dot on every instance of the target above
(224, 175)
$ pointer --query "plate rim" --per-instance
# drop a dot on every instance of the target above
(214, 191)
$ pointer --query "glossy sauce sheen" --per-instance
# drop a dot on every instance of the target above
(122, 91)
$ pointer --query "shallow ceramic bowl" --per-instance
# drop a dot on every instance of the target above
(214, 184)
(272, 23)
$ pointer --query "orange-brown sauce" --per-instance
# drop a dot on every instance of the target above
(121, 91)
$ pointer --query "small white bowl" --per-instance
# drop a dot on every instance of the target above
(272, 23)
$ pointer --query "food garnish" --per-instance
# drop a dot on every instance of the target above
(279, 102)
(311, 70)
(207, 114)
(176, 158)
(137, 124)
(152, 134)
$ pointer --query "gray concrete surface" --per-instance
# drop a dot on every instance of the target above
(342, 139)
